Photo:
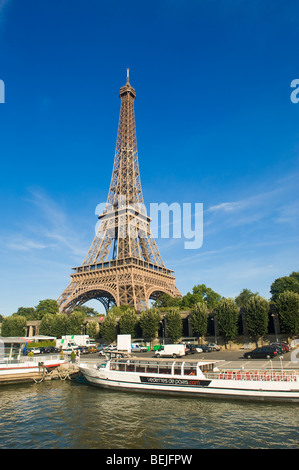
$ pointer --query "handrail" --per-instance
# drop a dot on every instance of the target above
(263, 375)
(33, 359)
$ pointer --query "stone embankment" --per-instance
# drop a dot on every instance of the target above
(65, 371)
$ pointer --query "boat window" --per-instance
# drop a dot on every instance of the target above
(206, 367)
(177, 369)
(12, 350)
(165, 369)
(140, 367)
(102, 366)
(190, 369)
(152, 368)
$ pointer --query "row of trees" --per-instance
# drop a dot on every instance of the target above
(51, 323)
(48, 306)
(146, 325)
(201, 303)
(202, 293)
(255, 312)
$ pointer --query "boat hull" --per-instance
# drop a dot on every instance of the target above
(26, 371)
(229, 389)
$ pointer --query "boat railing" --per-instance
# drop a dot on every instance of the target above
(264, 375)
(33, 359)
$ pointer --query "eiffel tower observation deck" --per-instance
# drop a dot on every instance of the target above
(123, 265)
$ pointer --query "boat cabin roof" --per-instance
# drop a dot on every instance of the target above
(164, 362)
(14, 340)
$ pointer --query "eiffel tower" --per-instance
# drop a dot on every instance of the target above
(123, 265)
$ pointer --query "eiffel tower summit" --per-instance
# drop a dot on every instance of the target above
(123, 265)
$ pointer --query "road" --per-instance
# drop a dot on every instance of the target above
(232, 359)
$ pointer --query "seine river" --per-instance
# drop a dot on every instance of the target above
(69, 415)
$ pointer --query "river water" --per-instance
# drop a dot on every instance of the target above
(70, 415)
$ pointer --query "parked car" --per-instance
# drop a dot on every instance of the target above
(190, 349)
(107, 349)
(92, 349)
(51, 350)
(265, 352)
(281, 349)
(83, 350)
(138, 348)
(34, 350)
(204, 348)
(283, 346)
(214, 346)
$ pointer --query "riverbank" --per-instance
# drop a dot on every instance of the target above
(67, 370)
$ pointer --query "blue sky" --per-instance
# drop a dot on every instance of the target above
(215, 125)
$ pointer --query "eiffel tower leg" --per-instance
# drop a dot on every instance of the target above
(85, 288)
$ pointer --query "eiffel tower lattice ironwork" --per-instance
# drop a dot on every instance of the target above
(123, 265)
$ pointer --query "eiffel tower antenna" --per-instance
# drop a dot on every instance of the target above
(123, 265)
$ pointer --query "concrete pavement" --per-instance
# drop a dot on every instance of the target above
(232, 359)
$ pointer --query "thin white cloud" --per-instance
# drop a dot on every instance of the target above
(19, 243)
(277, 206)
(57, 225)
(225, 206)
(47, 227)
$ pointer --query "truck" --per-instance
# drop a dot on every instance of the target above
(124, 343)
(136, 347)
(74, 341)
(171, 350)
(65, 344)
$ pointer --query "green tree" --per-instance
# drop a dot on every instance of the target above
(60, 325)
(109, 328)
(75, 322)
(244, 296)
(199, 319)
(174, 325)
(257, 316)
(227, 313)
(15, 325)
(88, 311)
(46, 306)
(28, 312)
(287, 304)
(128, 322)
(201, 293)
(92, 329)
(47, 325)
(165, 300)
(150, 322)
(118, 311)
(287, 283)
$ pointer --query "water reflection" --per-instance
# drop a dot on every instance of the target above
(70, 415)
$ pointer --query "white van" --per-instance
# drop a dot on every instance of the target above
(171, 350)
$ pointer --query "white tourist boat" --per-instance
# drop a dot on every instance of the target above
(15, 367)
(191, 378)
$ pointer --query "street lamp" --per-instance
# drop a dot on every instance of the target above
(214, 320)
(275, 328)
(163, 331)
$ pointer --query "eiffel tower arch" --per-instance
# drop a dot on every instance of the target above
(123, 265)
